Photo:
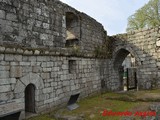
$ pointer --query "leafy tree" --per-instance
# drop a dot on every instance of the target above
(145, 17)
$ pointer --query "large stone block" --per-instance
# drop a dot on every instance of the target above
(6, 96)
(7, 81)
(59, 91)
(19, 87)
(54, 84)
(47, 90)
(11, 17)
(16, 71)
(4, 68)
(4, 74)
(45, 75)
(2, 14)
(66, 83)
(36, 69)
(9, 57)
(5, 88)
(49, 100)
(47, 69)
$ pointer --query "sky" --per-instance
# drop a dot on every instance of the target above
(112, 14)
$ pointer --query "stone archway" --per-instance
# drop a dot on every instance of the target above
(22, 83)
(119, 55)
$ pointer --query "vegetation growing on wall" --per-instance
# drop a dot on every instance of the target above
(104, 50)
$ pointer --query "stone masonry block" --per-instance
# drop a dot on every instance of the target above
(47, 69)
(7, 81)
(16, 71)
(9, 57)
(4, 74)
(11, 17)
(47, 90)
(45, 75)
(2, 14)
(5, 88)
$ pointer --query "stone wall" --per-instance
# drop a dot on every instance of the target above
(51, 77)
(144, 46)
(33, 51)
(51, 45)
(42, 23)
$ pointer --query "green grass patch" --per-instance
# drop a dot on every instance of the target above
(42, 117)
(92, 107)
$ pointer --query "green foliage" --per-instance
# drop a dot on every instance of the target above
(145, 17)
(42, 117)
(76, 50)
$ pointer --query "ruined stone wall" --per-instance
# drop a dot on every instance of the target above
(42, 23)
(144, 46)
(32, 51)
(92, 34)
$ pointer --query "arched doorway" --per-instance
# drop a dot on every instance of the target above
(125, 68)
(30, 98)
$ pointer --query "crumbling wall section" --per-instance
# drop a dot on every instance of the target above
(33, 51)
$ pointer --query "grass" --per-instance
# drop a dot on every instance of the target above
(91, 108)
(42, 117)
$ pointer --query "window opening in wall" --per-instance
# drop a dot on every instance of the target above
(72, 66)
(72, 30)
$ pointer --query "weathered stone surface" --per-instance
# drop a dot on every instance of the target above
(158, 43)
(5, 88)
(45, 75)
(11, 108)
(47, 90)
(16, 71)
(11, 17)
(9, 57)
(4, 74)
(19, 87)
(2, 14)
(6, 96)
(7, 81)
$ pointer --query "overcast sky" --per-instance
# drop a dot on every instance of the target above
(112, 14)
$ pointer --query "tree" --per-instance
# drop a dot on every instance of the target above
(145, 17)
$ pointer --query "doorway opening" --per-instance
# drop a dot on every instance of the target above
(30, 98)
(125, 67)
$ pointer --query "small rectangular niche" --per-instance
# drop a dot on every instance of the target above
(72, 66)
